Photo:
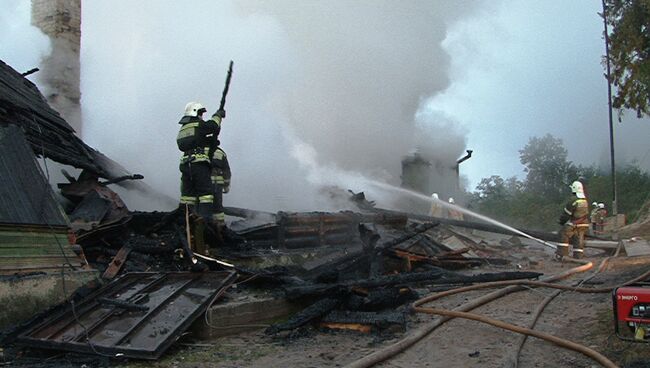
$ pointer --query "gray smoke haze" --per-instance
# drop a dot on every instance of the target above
(59, 80)
(364, 70)
(21, 45)
(527, 68)
(323, 93)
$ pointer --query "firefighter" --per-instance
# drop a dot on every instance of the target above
(220, 177)
(197, 139)
(601, 217)
(436, 210)
(575, 220)
(593, 217)
(452, 212)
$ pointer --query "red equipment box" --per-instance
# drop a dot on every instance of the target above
(632, 309)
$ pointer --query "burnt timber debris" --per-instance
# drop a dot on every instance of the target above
(350, 270)
(48, 134)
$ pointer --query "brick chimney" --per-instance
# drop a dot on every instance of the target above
(59, 75)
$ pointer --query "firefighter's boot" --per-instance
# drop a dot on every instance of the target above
(218, 229)
(562, 251)
(578, 253)
(198, 244)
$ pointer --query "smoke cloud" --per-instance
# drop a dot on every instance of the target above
(21, 45)
(525, 69)
(323, 93)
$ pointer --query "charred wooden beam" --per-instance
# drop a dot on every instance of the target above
(438, 276)
(314, 311)
(246, 213)
(361, 259)
(379, 320)
(117, 263)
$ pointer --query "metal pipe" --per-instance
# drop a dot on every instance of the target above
(457, 167)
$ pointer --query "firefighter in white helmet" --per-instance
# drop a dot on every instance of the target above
(436, 210)
(452, 212)
(601, 217)
(575, 219)
(197, 139)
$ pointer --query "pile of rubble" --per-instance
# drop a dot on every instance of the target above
(346, 270)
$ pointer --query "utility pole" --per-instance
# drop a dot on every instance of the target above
(611, 123)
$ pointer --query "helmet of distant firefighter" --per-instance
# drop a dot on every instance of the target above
(194, 109)
(601, 205)
(576, 187)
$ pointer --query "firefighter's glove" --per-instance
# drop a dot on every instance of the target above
(221, 113)
(226, 189)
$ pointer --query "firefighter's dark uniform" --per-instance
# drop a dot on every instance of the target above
(576, 223)
(220, 184)
(197, 138)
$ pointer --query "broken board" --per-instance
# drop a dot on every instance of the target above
(636, 247)
(139, 315)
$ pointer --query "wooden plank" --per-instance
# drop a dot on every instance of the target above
(116, 264)
(33, 251)
(347, 326)
(9, 235)
(636, 247)
(601, 244)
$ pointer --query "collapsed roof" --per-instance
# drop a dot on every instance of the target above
(48, 134)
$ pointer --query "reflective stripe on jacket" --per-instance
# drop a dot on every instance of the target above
(197, 138)
(220, 168)
(578, 210)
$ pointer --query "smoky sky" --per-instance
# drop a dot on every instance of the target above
(524, 69)
(318, 87)
(336, 93)
(21, 45)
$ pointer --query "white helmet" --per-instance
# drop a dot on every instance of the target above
(601, 205)
(194, 109)
(451, 200)
(576, 187)
(435, 196)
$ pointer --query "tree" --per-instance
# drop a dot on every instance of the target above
(630, 53)
(492, 188)
(547, 168)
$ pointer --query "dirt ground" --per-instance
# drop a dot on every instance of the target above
(582, 318)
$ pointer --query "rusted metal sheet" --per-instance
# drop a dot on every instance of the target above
(139, 315)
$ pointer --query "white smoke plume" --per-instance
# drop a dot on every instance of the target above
(323, 93)
(21, 45)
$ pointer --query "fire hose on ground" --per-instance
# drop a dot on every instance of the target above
(512, 286)
(420, 333)
(522, 330)
(513, 360)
